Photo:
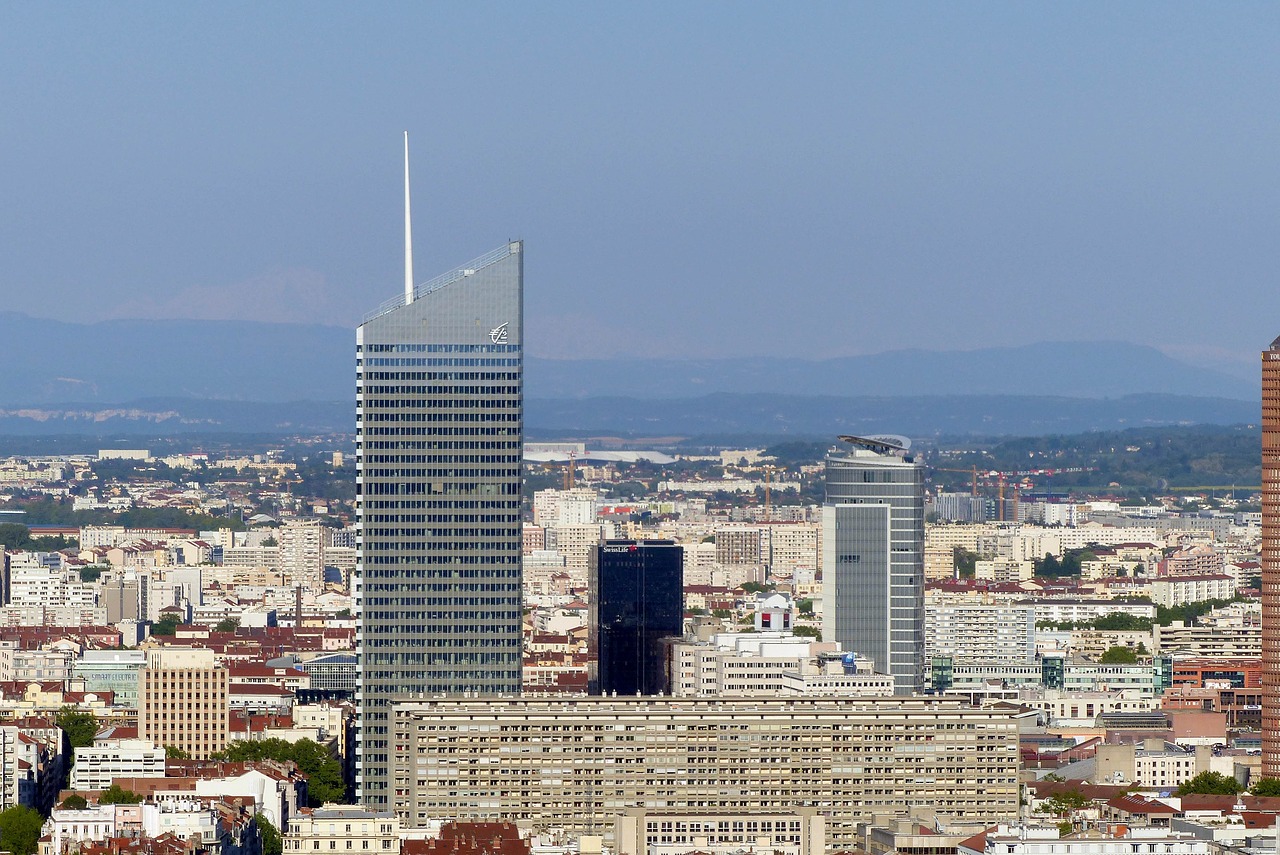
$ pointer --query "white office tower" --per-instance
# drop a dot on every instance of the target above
(873, 557)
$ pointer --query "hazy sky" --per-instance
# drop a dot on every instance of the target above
(703, 179)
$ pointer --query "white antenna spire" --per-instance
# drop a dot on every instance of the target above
(408, 229)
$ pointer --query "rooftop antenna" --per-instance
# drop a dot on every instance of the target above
(408, 229)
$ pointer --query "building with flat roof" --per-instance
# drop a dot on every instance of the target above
(576, 763)
(636, 602)
(183, 700)
(873, 555)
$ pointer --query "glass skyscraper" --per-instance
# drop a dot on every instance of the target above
(636, 600)
(438, 443)
(873, 560)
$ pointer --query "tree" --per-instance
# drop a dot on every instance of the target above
(809, 631)
(1209, 783)
(80, 726)
(1266, 787)
(1121, 622)
(965, 561)
(271, 842)
(15, 535)
(20, 830)
(804, 606)
(118, 795)
(324, 773)
(173, 752)
(228, 624)
(74, 802)
(1118, 655)
(1062, 804)
(167, 625)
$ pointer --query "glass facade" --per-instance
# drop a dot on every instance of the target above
(873, 552)
(439, 396)
(636, 601)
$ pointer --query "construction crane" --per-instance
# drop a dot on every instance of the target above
(1002, 478)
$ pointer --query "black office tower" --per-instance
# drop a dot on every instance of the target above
(637, 600)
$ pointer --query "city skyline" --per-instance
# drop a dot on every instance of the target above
(969, 164)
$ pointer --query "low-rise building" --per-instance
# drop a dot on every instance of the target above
(97, 765)
(343, 828)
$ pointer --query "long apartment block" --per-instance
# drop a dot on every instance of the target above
(578, 763)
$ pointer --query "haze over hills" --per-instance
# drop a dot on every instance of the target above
(179, 376)
(51, 361)
(1070, 369)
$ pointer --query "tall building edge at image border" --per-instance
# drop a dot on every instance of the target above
(1271, 561)
(439, 435)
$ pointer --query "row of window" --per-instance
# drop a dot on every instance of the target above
(436, 431)
(440, 488)
(428, 362)
(473, 391)
(405, 519)
(438, 348)
(441, 458)
(442, 376)
(443, 417)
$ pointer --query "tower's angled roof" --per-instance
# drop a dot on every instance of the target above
(462, 271)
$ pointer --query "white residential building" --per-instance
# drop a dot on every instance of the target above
(980, 632)
(1172, 591)
(97, 765)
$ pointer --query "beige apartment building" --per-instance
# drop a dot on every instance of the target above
(182, 700)
(343, 828)
(577, 763)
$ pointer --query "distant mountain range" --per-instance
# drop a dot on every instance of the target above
(236, 376)
(53, 361)
(721, 414)
(1072, 369)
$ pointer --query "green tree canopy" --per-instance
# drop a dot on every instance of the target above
(1122, 622)
(74, 802)
(1062, 804)
(20, 830)
(1118, 655)
(167, 625)
(173, 752)
(1266, 787)
(227, 625)
(1209, 783)
(271, 841)
(324, 773)
(965, 561)
(118, 795)
(80, 726)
